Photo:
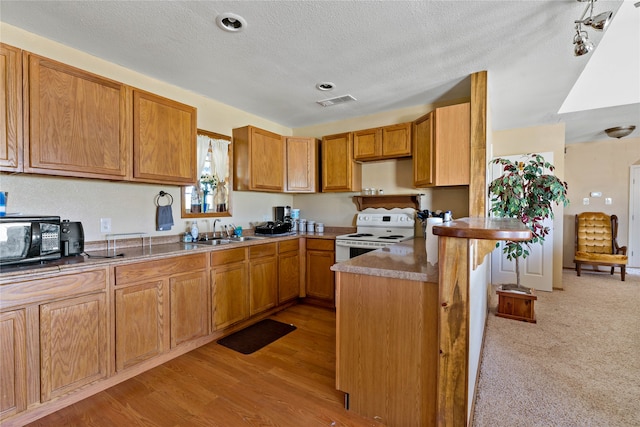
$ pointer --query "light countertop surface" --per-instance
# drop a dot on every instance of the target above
(404, 260)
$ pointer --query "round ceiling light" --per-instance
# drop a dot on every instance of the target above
(619, 131)
(231, 22)
(324, 86)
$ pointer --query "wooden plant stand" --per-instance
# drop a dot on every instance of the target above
(516, 305)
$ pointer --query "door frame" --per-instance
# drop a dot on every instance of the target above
(633, 250)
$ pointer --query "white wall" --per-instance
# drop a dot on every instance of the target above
(599, 166)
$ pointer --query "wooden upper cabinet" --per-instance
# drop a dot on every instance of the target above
(259, 160)
(75, 121)
(11, 108)
(441, 147)
(367, 144)
(164, 140)
(388, 142)
(339, 170)
(396, 140)
(302, 157)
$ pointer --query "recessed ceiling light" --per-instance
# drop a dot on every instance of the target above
(325, 86)
(231, 22)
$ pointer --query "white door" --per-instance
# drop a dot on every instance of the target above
(633, 250)
(536, 271)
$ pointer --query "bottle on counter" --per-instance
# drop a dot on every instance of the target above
(194, 231)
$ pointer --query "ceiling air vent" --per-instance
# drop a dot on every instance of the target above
(337, 100)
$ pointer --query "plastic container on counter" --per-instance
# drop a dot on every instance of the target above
(319, 227)
(311, 225)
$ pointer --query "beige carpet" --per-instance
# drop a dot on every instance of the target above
(578, 366)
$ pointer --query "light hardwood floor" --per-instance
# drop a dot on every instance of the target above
(290, 382)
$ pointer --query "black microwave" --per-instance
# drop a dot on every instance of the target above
(26, 239)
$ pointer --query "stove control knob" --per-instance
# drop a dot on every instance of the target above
(365, 218)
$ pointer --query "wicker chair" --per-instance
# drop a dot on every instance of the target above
(596, 243)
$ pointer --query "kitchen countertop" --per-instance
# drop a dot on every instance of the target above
(404, 260)
(137, 254)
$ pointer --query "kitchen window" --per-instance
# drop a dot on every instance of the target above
(211, 196)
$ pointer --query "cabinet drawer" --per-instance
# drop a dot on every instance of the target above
(35, 291)
(259, 251)
(288, 246)
(321, 244)
(160, 268)
(228, 256)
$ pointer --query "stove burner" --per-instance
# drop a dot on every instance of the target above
(393, 236)
(360, 235)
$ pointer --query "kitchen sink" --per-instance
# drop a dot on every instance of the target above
(246, 238)
(214, 242)
(224, 241)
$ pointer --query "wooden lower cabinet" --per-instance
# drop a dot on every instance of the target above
(320, 279)
(263, 278)
(140, 323)
(73, 343)
(387, 348)
(54, 337)
(229, 287)
(288, 270)
(189, 307)
(159, 305)
(13, 363)
(60, 336)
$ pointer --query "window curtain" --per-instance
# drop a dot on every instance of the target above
(220, 156)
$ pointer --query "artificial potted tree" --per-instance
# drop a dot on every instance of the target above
(526, 191)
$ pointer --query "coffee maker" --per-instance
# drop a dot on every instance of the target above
(282, 213)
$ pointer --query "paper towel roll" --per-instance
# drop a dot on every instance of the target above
(431, 240)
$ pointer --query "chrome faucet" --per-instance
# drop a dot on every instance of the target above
(213, 236)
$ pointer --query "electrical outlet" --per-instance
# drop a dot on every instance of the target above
(585, 201)
(608, 201)
(266, 218)
(105, 225)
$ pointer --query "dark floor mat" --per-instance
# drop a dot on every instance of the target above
(256, 336)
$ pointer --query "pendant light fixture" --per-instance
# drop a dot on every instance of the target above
(599, 23)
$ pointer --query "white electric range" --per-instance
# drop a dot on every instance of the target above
(375, 230)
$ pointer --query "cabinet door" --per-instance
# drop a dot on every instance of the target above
(367, 144)
(189, 302)
(288, 275)
(263, 282)
(76, 122)
(73, 343)
(396, 140)
(423, 151)
(13, 363)
(10, 108)
(452, 144)
(267, 160)
(320, 278)
(230, 294)
(140, 323)
(302, 164)
(339, 171)
(164, 140)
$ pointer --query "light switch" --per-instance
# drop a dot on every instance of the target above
(608, 201)
(585, 201)
(596, 194)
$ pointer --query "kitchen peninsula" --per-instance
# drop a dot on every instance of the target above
(407, 329)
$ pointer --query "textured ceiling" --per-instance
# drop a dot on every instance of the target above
(387, 54)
